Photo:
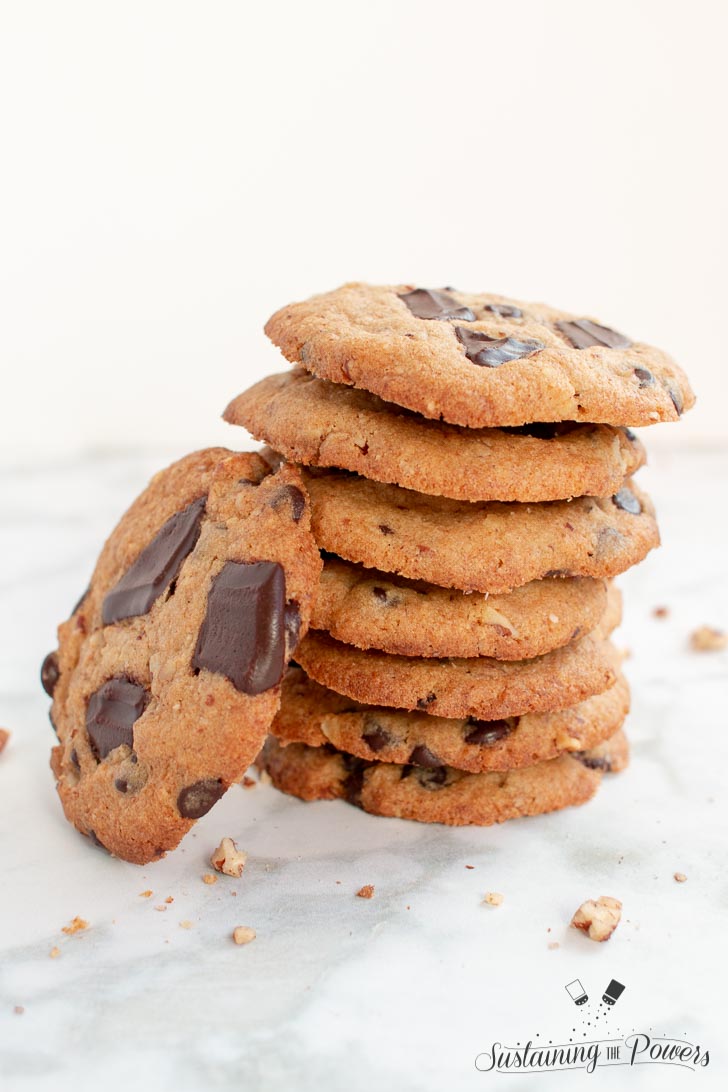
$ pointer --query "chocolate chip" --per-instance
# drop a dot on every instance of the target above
(290, 495)
(423, 756)
(74, 759)
(112, 712)
(425, 304)
(354, 781)
(385, 529)
(49, 673)
(491, 352)
(631, 436)
(582, 333)
(627, 501)
(243, 636)
(593, 762)
(422, 703)
(121, 784)
(293, 626)
(380, 594)
(646, 378)
(430, 778)
(375, 737)
(504, 310)
(195, 800)
(676, 399)
(156, 566)
(484, 733)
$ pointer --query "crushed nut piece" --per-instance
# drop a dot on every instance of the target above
(55, 952)
(680, 877)
(185, 924)
(145, 894)
(75, 926)
(209, 877)
(366, 892)
(4, 737)
(243, 934)
(228, 858)
(493, 898)
(598, 919)
(661, 612)
(708, 639)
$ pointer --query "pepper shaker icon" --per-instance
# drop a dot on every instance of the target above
(613, 992)
(577, 993)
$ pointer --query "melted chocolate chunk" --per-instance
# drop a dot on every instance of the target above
(385, 529)
(627, 501)
(676, 399)
(631, 436)
(375, 737)
(293, 626)
(121, 784)
(290, 495)
(484, 733)
(49, 673)
(593, 762)
(504, 310)
(429, 778)
(423, 756)
(582, 333)
(243, 636)
(491, 352)
(195, 800)
(156, 567)
(422, 703)
(380, 594)
(354, 781)
(645, 377)
(425, 304)
(112, 712)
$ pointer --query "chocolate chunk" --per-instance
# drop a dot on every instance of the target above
(156, 567)
(646, 378)
(385, 529)
(112, 712)
(353, 783)
(195, 800)
(422, 703)
(504, 310)
(290, 495)
(375, 737)
(425, 304)
(121, 784)
(582, 333)
(430, 778)
(631, 436)
(293, 626)
(74, 759)
(423, 756)
(49, 673)
(380, 594)
(627, 501)
(491, 352)
(593, 762)
(243, 636)
(486, 732)
(676, 399)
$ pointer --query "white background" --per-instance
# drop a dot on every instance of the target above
(174, 172)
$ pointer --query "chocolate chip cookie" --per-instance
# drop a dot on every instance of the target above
(479, 360)
(371, 609)
(484, 688)
(314, 715)
(167, 674)
(486, 547)
(318, 423)
(441, 794)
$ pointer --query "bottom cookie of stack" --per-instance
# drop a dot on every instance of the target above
(521, 766)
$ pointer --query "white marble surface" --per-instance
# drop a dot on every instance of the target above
(403, 991)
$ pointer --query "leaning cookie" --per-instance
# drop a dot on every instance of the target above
(480, 687)
(489, 547)
(479, 360)
(326, 424)
(441, 794)
(314, 715)
(167, 674)
(372, 609)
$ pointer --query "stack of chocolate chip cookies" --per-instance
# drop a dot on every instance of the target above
(469, 468)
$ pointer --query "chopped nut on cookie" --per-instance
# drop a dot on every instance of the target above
(243, 934)
(228, 858)
(598, 919)
(708, 639)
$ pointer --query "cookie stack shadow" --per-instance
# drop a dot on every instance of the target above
(460, 667)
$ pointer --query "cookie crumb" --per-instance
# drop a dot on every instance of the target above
(708, 639)
(470, 866)
(161, 908)
(493, 898)
(249, 782)
(229, 859)
(4, 737)
(553, 945)
(19, 1010)
(243, 934)
(598, 919)
(209, 877)
(680, 877)
(55, 952)
(75, 926)
(661, 612)
(185, 924)
(169, 899)
(145, 894)
(366, 892)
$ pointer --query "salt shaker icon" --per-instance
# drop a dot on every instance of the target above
(577, 993)
(613, 992)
